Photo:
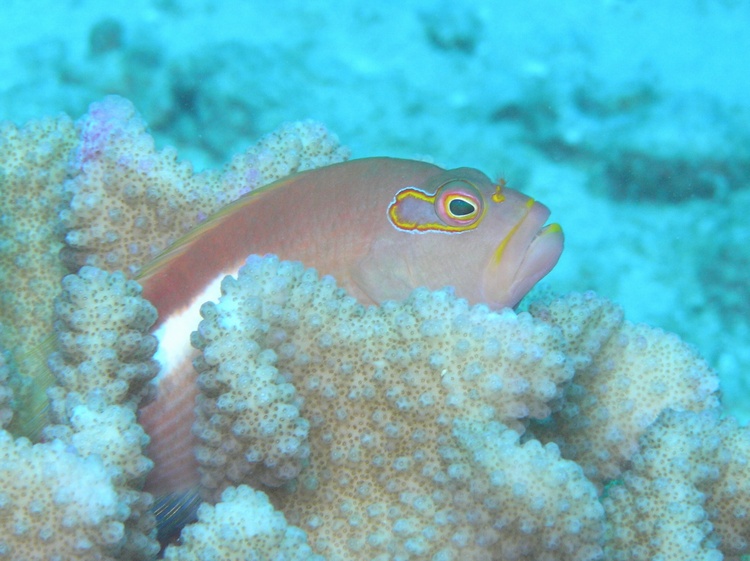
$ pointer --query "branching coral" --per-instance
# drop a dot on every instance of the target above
(244, 525)
(625, 376)
(371, 428)
(101, 322)
(419, 429)
(406, 454)
(6, 395)
(77, 496)
(98, 192)
(55, 502)
(103, 364)
(687, 495)
(33, 162)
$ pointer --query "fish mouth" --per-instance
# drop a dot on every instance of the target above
(527, 253)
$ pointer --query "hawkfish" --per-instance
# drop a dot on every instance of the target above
(380, 226)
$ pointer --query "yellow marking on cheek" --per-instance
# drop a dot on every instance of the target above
(401, 196)
(498, 255)
(400, 223)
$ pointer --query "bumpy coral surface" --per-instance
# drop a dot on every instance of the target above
(54, 504)
(625, 376)
(6, 395)
(243, 526)
(407, 455)
(405, 431)
(102, 367)
(33, 162)
(100, 185)
(102, 327)
(687, 495)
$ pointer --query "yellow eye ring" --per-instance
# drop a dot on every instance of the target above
(458, 203)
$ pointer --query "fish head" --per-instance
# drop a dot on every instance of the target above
(460, 229)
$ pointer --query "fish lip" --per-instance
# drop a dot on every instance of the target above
(528, 253)
(542, 253)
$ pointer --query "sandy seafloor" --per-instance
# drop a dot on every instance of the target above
(629, 119)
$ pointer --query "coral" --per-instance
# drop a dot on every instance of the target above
(534, 492)
(111, 434)
(97, 428)
(77, 495)
(396, 430)
(56, 504)
(102, 366)
(370, 428)
(403, 404)
(103, 363)
(102, 327)
(687, 494)
(625, 376)
(244, 525)
(424, 428)
(33, 163)
(97, 192)
(151, 198)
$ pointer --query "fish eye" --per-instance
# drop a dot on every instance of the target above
(458, 203)
(461, 207)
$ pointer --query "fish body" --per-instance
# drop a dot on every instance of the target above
(380, 226)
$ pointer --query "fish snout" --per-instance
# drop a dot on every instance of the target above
(527, 253)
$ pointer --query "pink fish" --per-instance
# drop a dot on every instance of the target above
(380, 226)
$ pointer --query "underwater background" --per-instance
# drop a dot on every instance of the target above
(629, 119)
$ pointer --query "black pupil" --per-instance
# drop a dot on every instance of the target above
(459, 207)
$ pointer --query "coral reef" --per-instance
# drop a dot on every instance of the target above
(53, 173)
(370, 428)
(57, 175)
(611, 403)
(77, 495)
(6, 395)
(33, 163)
(403, 403)
(56, 502)
(244, 525)
(687, 493)
(423, 428)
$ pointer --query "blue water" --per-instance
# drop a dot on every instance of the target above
(629, 119)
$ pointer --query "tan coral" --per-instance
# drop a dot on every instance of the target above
(102, 328)
(102, 187)
(728, 503)
(244, 525)
(150, 198)
(626, 375)
(538, 494)
(382, 389)
(56, 504)
(102, 367)
(111, 432)
(687, 495)
(33, 162)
